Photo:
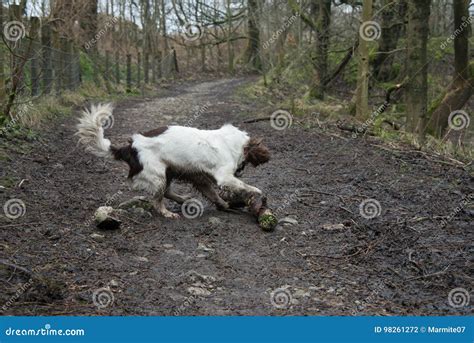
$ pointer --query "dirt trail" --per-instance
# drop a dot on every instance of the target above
(333, 261)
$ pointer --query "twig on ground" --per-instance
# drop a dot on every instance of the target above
(255, 120)
(441, 272)
(16, 267)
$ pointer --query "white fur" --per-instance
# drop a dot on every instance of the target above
(215, 152)
(90, 131)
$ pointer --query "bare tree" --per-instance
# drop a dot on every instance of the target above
(417, 66)
(461, 88)
(362, 91)
(253, 48)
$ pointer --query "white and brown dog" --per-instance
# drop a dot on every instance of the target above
(202, 157)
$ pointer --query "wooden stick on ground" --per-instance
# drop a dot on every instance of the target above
(257, 206)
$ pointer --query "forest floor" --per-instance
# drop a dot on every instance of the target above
(327, 259)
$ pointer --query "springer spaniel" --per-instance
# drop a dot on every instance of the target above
(202, 157)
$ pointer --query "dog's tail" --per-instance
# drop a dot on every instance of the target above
(91, 130)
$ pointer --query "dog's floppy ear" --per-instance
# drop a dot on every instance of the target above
(256, 152)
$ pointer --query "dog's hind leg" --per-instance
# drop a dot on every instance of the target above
(153, 179)
(170, 194)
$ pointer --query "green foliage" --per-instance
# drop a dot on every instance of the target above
(87, 68)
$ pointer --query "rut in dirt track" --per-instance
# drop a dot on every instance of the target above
(333, 261)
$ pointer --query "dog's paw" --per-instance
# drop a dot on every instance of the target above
(170, 215)
(255, 190)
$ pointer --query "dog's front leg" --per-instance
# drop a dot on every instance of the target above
(209, 192)
(180, 199)
(225, 179)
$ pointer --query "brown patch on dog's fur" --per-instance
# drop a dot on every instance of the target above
(194, 178)
(129, 155)
(201, 181)
(155, 132)
(255, 152)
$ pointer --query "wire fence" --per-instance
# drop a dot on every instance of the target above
(43, 62)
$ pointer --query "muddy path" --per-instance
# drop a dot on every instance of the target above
(328, 259)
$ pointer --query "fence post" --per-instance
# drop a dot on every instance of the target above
(153, 69)
(129, 73)
(77, 67)
(107, 72)
(69, 55)
(74, 67)
(138, 69)
(159, 70)
(146, 66)
(117, 67)
(107, 62)
(62, 77)
(175, 61)
(36, 49)
(47, 66)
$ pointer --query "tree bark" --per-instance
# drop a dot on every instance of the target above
(322, 9)
(393, 17)
(362, 91)
(253, 47)
(2, 69)
(460, 89)
(417, 87)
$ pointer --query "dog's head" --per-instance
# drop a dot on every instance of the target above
(255, 153)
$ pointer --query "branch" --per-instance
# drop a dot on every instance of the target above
(296, 10)
(344, 62)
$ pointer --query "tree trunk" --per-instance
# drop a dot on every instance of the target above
(417, 66)
(393, 17)
(253, 47)
(230, 47)
(2, 69)
(460, 89)
(89, 25)
(322, 9)
(163, 27)
(362, 91)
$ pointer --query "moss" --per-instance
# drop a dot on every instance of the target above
(267, 221)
